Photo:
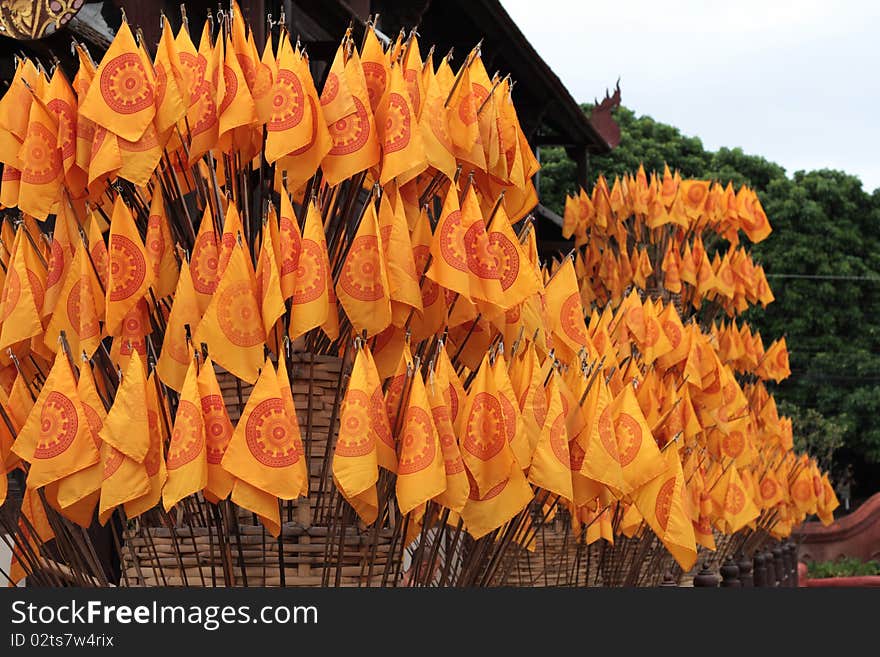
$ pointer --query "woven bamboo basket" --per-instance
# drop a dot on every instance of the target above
(191, 552)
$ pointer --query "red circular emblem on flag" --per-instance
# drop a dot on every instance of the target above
(95, 423)
(418, 448)
(37, 290)
(509, 414)
(238, 314)
(291, 245)
(186, 438)
(768, 489)
(86, 329)
(268, 435)
(354, 429)
(230, 82)
(350, 133)
(452, 246)
(663, 504)
(204, 109)
(802, 490)
(506, 258)
(192, 72)
(127, 268)
(474, 492)
(360, 274)
(571, 317)
(218, 429)
(41, 161)
(374, 75)
(733, 444)
(315, 118)
(451, 456)
(411, 77)
(673, 333)
(397, 124)
(112, 461)
(58, 426)
(559, 440)
(204, 263)
(288, 102)
(331, 88)
(124, 85)
(735, 500)
(437, 119)
(379, 419)
(576, 455)
(480, 259)
(484, 435)
(311, 279)
(629, 438)
(155, 243)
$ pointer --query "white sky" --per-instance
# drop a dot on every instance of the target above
(795, 81)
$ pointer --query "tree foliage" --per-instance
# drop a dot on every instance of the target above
(826, 232)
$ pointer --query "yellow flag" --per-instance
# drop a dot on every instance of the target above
(639, 457)
(455, 496)
(205, 260)
(269, 283)
(186, 461)
(403, 156)
(398, 253)
(265, 448)
(663, 505)
(565, 310)
(289, 127)
(42, 171)
(314, 303)
(56, 439)
(489, 511)
(129, 276)
(484, 446)
(218, 431)
(363, 288)
(124, 480)
(355, 464)
(551, 463)
(154, 462)
(19, 313)
(232, 326)
(514, 427)
(434, 126)
(122, 98)
(288, 245)
(160, 248)
(421, 474)
(176, 352)
(449, 266)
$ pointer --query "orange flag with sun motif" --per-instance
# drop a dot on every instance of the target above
(455, 496)
(42, 171)
(186, 460)
(265, 449)
(637, 452)
(218, 432)
(129, 276)
(269, 282)
(449, 267)
(288, 245)
(289, 127)
(205, 260)
(314, 303)
(421, 474)
(154, 461)
(232, 326)
(175, 355)
(355, 464)
(403, 155)
(19, 312)
(159, 245)
(122, 99)
(363, 288)
(551, 462)
(565, 310)
(56, 439)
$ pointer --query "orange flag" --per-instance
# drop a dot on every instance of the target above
(421, 473)
(19, 311)
(76, 311)
(154, 462)
(639, 457)
(565, 310)
(486, 512)
(375, 64)
(232, 229)
(314, 303)
(176, 353)
(433, 300)
(663, 504)
(42, 170)
(355, 143)
(434, 126)
(123, 98)
(269, 283)
(403, 156)
(202, 115)
(205, 260)
(289, 127)
(288, 245)
(363, 288)
(449, 266)
(186, 461)
(160, 248)
(551, 462)
(485, 283)
(355, 463)
(64, 240)
(598, 439)
(518, 279)
(514, 426)
(485, 450)
(86, 482)
(265, 448)
(455, 496)
(170, 103)
(231, 325)
(403, 283)
(218, 431)
(237, 107)
(56, 439)
(463, 125)
(129, 277)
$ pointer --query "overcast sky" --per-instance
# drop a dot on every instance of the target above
(795, 81)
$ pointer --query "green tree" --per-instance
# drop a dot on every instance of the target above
(826, 231)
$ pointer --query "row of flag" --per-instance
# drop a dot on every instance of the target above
(481, 381)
